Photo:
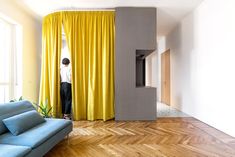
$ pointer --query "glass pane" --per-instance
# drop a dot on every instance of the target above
(64, 51)
(18, 91)
(4, 93)
(4, 51)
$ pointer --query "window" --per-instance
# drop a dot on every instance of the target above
(65, 49)
(10, 60)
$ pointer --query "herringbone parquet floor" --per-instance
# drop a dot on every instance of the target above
(165, 137)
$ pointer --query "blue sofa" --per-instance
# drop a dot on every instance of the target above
(33, 142)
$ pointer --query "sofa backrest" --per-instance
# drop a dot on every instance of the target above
(11, 109)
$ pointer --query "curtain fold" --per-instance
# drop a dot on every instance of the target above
(90, 38)
(50, 67)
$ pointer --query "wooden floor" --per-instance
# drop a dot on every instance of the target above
(165, 137)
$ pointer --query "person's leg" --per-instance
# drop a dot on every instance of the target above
(62, 96)
(68, 100)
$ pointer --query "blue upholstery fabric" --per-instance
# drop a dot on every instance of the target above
(20, 123)
(34, 142)
(37, 135)
(11, 109)
(42, 149)
(13, 151)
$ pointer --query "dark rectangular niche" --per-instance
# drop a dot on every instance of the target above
(140, 71)
(140, 66)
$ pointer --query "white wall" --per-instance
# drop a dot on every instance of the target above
(202, 64)
(31, 51)
(152, 70)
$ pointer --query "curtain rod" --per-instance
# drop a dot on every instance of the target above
(81, 9)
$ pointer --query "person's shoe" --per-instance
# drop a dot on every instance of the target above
(67, 116)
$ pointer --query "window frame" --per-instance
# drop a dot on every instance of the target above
(15, 60)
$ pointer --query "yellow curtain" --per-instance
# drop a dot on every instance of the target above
(50, 67)
(90, 37)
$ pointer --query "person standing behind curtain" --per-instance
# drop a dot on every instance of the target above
(65, 88)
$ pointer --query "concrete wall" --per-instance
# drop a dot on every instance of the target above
(31, 48)
(135, 30)
(202, 64)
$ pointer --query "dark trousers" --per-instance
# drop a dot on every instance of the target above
(66, 97)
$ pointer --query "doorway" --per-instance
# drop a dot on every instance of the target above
(165, 78)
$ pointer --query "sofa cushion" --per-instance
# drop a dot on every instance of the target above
(11, 109)
(13, 151)
(20, 123)
(37, 135)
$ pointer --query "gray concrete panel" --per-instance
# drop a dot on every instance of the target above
(135, 30)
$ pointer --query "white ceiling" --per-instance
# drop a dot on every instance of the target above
(169, 12)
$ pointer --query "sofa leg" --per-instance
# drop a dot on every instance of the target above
(67, 137)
